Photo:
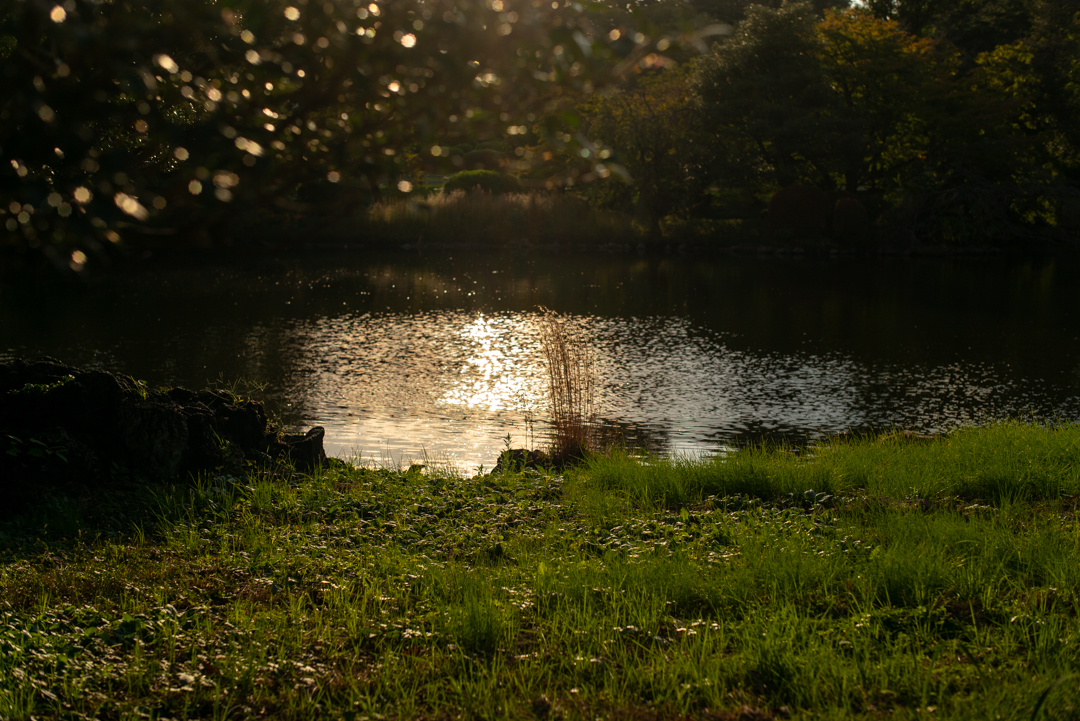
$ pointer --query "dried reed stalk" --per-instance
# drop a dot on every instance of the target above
(570, 385)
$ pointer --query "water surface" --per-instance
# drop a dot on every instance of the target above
(398, 355)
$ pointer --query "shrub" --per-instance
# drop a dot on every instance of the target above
(487, 180)
(499, 146)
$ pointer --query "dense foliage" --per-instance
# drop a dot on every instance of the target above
(118, 118)
(948, 131)
(657, 133)
(952, 122)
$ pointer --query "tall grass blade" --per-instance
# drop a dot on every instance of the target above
(1046, 694)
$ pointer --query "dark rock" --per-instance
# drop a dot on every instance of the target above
(518, 459)
(305, 451)
(153, 436)
(244, 423)
(204, 448)
(183, 396)
(62, 426)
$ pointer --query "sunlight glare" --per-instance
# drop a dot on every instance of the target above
(504, 371)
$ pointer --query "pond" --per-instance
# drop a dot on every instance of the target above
(402, 356)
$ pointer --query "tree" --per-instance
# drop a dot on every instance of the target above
(734, 11)
(119, 119)
(856, 102)
(973, 26)
(652, 125)
(1054, 47)
(887, 83)
(764, 92)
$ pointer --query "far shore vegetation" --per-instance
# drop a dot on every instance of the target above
(508, 219)
(878, 577)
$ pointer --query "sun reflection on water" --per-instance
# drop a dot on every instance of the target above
(450, 385)
(504, 370)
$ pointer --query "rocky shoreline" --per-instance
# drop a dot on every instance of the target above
(66, 427)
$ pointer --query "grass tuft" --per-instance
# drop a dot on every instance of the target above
(571, 382)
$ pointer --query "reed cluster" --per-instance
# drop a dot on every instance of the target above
(571, 385)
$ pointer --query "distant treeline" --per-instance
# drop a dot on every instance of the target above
(948, 122)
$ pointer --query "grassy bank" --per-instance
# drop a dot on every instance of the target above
(481, 218)
(877, 578)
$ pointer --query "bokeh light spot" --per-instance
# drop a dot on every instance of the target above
(167, 63)
(131, 206)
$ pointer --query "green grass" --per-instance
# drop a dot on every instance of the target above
(869, 578)
(1003, 462)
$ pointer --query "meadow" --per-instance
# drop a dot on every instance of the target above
(875, 577)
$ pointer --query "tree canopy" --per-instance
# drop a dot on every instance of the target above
(121, 120)
(967, 147)
(120, 117)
